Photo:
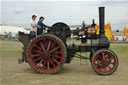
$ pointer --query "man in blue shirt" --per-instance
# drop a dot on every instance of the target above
(42, 25)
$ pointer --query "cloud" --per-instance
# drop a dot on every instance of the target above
(114, 2)
(73, 12)
(19, 11)
(63, 0)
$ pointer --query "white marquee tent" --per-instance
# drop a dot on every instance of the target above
(12, 29)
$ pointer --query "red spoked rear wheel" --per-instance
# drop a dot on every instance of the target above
(47, 53)
(104, 62)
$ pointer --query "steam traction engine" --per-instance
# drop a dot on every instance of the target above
(48, 52)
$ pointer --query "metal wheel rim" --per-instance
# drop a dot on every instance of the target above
(107, 66)
(51, 63)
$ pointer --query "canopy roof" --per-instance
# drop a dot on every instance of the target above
(12, 29)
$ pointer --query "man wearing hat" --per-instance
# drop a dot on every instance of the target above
(34, 26)
(42, 25)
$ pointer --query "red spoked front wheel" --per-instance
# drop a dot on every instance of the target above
(46, 53)
(104, 62)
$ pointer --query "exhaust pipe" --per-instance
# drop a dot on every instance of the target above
(101, 20)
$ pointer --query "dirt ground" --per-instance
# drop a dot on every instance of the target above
(12, 73)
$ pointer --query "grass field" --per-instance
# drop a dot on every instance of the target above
(12, 73)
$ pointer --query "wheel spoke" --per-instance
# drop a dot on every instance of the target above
(56, 56)
(54, 49)
(109, 67)
(102, 66)
(37, 59)
(112, 63)
(98, 61)
(35, 55)
(105, 69)
(49, 44)
(42, 46)
(51, 62)
(111, 58)
(37, 51)
(55, 60)
(40, 62)
(103, 55)
(44, 62)
(99, 56)
(38, 47)
(57, 53)
(48, 64)
(53, 44)
(45, 42)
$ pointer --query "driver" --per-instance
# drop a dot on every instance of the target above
(42, 25)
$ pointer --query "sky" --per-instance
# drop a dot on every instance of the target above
(72, 12)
